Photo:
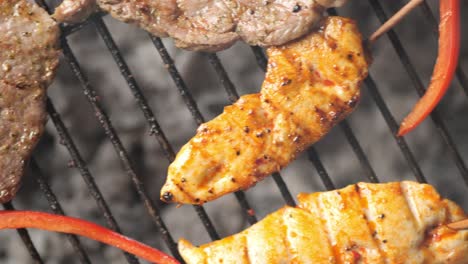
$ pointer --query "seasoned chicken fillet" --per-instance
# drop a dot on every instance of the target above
(393, 223)
(310, 85)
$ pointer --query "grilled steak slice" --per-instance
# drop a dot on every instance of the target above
(274, 22)
(310, 85)
(154, 16)
(362, 223)
(74, 11)
(212, 25)
(207, 25)
(28, 59)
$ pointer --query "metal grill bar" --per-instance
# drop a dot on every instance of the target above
(247, 209)
(435, 115)
(315, 159)
(70, 29)
(349, 134)
(80, 164)
(260, 57)
(393, 126)
(155, 128)
(233, 96)
(461, 76)
(24, 235)
(199, 119)
(120, 150)
(125, 71)
(179, 82)
(57, 208)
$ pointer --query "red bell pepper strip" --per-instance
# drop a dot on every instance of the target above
(444, 69)
(70, 225)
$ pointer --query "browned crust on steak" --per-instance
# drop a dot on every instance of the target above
(213, 25)
(28, 59)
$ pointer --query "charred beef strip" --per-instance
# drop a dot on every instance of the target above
(210, 25)
(213, 25)
(29, 54)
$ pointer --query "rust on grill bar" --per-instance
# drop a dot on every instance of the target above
(191, 104)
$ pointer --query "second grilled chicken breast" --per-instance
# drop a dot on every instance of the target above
(310, 85)
(364, 223)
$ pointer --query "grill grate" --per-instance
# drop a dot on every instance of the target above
(157, 132)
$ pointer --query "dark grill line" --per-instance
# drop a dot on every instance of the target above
(154, 126)
(262, 61)
(435, 115)
(462, 78)
(233, 96)
(393, 126)
(106, 124)
(199, 119)
(82, 167)
(315, 159)
(24, 235)
(57, 208)
(349, 134)
(179, 82)
(70, 29)
(247, 209)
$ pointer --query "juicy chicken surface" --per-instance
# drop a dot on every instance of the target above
(394, 223)
(213, 25)
(29, 54)
(310, 85)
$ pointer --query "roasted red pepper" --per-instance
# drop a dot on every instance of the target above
(444, 69)
(70, 225)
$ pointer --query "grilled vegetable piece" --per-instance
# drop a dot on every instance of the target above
(213, 25)
(444, 69)
(362, 223)
(28, 58)
(310, 85)
(71, 225)
(74, 11)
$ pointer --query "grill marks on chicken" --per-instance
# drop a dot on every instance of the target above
(212, 25)
(310, 85)
(28, 59)
(362, 223)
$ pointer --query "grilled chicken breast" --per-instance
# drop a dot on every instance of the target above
(310, 85)
(213, 25)
(362, 223)
(74, 11)
(28, 58)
